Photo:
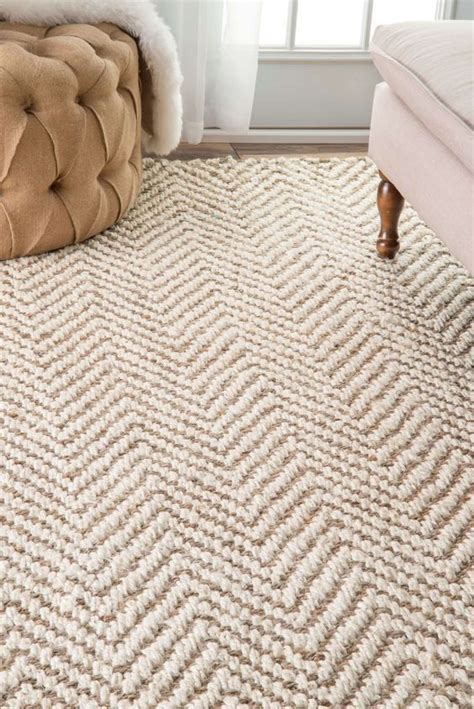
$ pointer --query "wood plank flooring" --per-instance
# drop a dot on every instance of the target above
(241, 151)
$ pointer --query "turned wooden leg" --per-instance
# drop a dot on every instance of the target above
(390, 204)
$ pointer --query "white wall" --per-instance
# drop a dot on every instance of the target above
(330, 94)
(464, 10)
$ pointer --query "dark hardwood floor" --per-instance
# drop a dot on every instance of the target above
(240, 151)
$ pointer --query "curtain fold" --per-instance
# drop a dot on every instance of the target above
(218, 48)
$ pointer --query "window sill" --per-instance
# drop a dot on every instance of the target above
(313, 55)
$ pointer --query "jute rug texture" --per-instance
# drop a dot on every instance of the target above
(235, 450)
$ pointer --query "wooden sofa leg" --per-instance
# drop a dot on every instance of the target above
(390, 204)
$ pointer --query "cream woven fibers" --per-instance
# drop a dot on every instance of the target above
(235, 452)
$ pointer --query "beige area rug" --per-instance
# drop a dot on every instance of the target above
(235, 452)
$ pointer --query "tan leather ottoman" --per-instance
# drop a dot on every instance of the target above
(70, 124)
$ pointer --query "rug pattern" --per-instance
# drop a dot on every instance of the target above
(235, 452)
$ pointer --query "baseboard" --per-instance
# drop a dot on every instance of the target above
(288, 135)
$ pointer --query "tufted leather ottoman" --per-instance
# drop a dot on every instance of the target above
(70, 123)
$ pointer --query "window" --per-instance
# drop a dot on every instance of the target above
(304, 25)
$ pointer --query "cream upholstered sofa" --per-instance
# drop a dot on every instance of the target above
(421, 135)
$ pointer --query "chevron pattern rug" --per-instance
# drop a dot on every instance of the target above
(235, 452)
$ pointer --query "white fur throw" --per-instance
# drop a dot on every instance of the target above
(140, 19)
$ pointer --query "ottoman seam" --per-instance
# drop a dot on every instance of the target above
(45, 128)
(11, 229)
(104, 68)
(117, 194)
(75, 236)
(2, 68)
(130, 53)
(102, 132)
(85, 41)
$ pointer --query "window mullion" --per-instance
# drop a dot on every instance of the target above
(366, 24)
(292, 17)
(445, 9)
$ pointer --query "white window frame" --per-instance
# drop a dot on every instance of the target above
(445, 10)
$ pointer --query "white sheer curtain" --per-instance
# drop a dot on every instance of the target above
(218, 48)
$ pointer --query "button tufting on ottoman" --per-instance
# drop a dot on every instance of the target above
(70, 124)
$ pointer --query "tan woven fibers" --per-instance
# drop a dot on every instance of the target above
(234, 448)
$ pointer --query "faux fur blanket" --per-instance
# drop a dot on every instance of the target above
(141, 20)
